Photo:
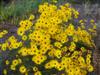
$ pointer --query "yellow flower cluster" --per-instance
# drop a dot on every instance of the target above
(77, 66)
(11, 43)
(25, 25)
(53, 36)
(4, 32)
(14, 63)
(22, 69)
(38, 59)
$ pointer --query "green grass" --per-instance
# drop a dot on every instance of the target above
(17, 10)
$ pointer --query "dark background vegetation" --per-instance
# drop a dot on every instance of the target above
(15, 10)
(79, 1)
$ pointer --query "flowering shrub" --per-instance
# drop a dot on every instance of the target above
(55, 43)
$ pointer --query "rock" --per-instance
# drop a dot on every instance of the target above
(96, 53)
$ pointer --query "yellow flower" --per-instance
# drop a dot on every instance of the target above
(10, 47)
(25, 52)
(35, 69)
(92, 21)
(26, 73)
(15, 45)
(88, 55)
(81, 60)
(38, 59)
(4, 46)
(5, 31)
(22, 69)
(75, 38)
(20, 31)
(15, 62)
(94, 27)
(12, 67)
(67, 60)
(71, 27)
(54, 63)
(59, 67)
(81, 21)
(58, 53)
(70, 32)
(90, 68)
(19, 60)
(64, 49)
(31, 17)
(1, 35)
(76, 14)
(77, 71)
(43, 50)
(72, 47)
(88, 60)
(12, 39)
(76, 53)
(82, 26)
(67, 4)
(48, 65)
(52, 31)
(64, 64)
(7, 62)
(58, 44)
(33, 51)
(83, 49)
(55, 1)
(5, 72)
(27, 25)
(24, 37)
(22, 23)
(51, 53)
(38, 73)
(43, 7)
(83, 72)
